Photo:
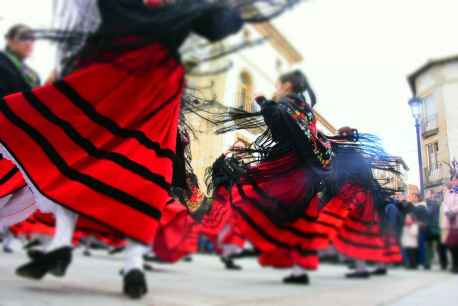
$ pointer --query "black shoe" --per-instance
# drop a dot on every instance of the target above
(302, 279)
(246, 253)
(358, 275)
(187, 259)
(230, 264)
(55, 263)
(150, 258)
(135, 284)
(380, 272)
(32, 244)
(7, 250)
(35, 254)
(116, 250)
(454, 270)
(148, 267)
(87, 253)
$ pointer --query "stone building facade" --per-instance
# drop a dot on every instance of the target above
(436, 84)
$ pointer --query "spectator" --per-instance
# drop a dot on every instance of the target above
(15, 75)
(419, 202)
(433, 231)
(451, 222)
(409, 241)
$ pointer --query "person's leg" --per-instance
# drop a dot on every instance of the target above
(58, 256)
(442, 252)
(406, 257)
(415, 256)
(421, 250)
(65, 227)
(454, 251)
(8, 239)
(361, 270)
(134, 256)
(228, 250)
(429, 254)
(411, 258)
(380, 270)
(298, 276)
(134, 279)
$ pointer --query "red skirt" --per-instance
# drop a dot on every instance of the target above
(178, 234)
(358, 232)
(285, 245)
(11, 179)
(34, 226)
(102, 141)
(44, 224)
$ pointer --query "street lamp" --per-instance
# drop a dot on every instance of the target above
(415, 106)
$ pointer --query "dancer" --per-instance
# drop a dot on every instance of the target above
(364, 235)
(227, 238)
(104, 135)
(287, 176)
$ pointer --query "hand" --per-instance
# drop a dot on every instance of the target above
(52, 77)
(260, 100)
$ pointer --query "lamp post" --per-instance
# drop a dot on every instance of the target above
(415, 107)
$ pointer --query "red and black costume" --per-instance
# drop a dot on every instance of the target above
(102, 140)
(292, 179)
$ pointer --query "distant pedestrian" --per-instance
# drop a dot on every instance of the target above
(409, 241)
(433, 231)
(451, 222)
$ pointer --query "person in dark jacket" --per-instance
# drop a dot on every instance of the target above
(433, 203)
(15, 75)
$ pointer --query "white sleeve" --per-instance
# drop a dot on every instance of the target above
(74, 16)
(82, 15)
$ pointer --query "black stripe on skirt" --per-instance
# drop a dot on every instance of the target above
(294, 231)
(74, 97)
(9, 175)
(66, 170)
(89, 147)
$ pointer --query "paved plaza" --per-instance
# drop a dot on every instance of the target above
(95, 281)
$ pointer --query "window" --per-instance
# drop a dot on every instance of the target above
(433, 156)
(429, 113)
(245, 96)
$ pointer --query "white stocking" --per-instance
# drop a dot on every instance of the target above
(134, 256)
(361, 266)
(8, 239)
(65, 227)
(298, 271)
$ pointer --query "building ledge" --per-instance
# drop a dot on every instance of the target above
(430, 133)
(433, 184)
(279, 42)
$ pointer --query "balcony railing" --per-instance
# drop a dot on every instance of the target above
(429, 124)
(435, 176)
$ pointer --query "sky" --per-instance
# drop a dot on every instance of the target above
(357, 55)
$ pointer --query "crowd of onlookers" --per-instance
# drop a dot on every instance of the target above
(434, 236)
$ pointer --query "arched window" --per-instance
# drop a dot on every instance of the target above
(245, 100)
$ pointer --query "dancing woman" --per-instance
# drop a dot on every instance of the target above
(100, 142)
(285, 179)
